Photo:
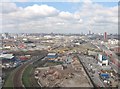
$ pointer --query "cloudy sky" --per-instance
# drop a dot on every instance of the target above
(59, 17)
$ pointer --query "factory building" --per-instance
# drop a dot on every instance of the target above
(52, 55)
(9, 61)
(116, 49)
(6, 56)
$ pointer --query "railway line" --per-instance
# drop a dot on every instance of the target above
(17, 79)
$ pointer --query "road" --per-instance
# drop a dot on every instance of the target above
(17, 79)
(90, 65)
(114, 56)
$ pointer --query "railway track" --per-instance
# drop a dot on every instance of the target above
(17, 82)
(17, 79)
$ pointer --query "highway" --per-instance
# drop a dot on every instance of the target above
(114, 56)
(90, 65)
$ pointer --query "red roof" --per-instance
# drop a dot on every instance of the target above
(23, 58)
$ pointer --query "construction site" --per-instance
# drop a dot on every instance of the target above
(69, 74)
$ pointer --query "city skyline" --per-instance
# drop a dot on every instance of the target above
(59, 17)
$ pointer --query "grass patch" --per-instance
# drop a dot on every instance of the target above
(52, 64)
(9, 80)
(26, 76)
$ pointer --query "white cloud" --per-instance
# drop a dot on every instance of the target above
(40, 11)
(35, 12)
(8, 7)
(44, 18)
(99, 18)
(66, 15)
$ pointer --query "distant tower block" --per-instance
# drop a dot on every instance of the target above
(105, 36)
(89, 32)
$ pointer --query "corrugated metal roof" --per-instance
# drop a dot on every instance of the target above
(51, 53)
(8, 56)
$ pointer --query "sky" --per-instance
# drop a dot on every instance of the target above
(59, 17)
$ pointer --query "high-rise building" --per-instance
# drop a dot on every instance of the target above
(105, 36)
(89, 32)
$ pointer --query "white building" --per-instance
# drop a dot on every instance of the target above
(102, 60)
(7, 56)
(114, 41)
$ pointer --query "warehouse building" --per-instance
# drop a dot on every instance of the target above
(52, 55)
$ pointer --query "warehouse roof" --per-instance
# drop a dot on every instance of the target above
(7, 56)
(51, 53)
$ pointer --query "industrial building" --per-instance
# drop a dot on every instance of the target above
(6, 56)
(52, 55)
